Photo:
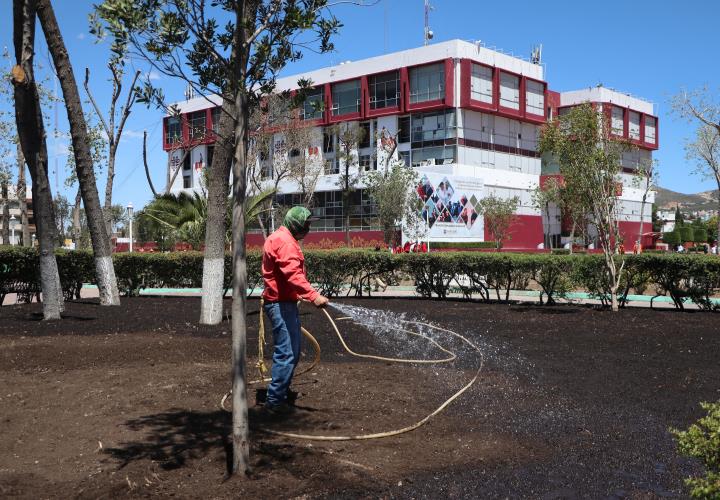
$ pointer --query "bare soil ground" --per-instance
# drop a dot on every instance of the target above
(571, 402)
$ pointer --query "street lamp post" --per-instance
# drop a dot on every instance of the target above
(130, 216)
(13, 223)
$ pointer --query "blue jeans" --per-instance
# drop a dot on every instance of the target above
(285, 320)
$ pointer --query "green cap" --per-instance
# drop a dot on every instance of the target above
(296, 218)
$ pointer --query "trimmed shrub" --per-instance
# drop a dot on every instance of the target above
(701, 235)
(686, 234)
(672, 238)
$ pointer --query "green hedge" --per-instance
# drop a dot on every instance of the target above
(686, 234)
(481, 275)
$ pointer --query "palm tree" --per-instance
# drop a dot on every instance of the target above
(187, 214)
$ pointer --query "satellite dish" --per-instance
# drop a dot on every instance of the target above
(430, 34)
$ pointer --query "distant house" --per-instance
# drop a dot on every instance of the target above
(668, 220)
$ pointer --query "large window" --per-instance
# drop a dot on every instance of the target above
(437, 155)
(384, 90)
(365, 135)
(404, 129)
(650, 129)
(197, 125)
(313, 105)
(427, 83)
(617, 121)
(481, 84)
(428, 127)
(346, 98)
(534, 98)
(509, 91)
(215, 116)
(634, 125)
(173, 130)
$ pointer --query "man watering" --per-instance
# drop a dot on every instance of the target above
(283, 271)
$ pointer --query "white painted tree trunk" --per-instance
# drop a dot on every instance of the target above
(211, 303)
(107, 285)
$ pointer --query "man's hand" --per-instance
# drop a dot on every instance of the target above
(321, 301)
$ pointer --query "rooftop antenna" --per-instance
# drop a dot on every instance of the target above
(536, 54)
(189, 92)
(428, 32)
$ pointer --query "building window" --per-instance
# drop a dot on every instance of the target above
(404, 129)
(384, 90)
(634, 125)
(438, 155)
(650, 129)
(428, 127)
(215, 116)
(366, 163)
(332, 166)
(173, 130)
(405, 157)
(187, 182)
(197, 125)
(313, 105)
(534, 97)
(481, 83)
(509, 91)
(364, 140)
(346, 98)
(617, 121)
(427, 83)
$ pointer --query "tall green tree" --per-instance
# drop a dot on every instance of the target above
(499, 216)
(590, 163)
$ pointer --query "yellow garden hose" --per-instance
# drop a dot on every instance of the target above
(439, 409)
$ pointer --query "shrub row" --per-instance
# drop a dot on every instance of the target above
(473, 274)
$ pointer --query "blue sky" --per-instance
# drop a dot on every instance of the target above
(651, 49)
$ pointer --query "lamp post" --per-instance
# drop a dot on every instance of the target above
(13, 223)
(130, 216)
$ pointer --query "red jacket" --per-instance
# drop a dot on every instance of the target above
(283, 269)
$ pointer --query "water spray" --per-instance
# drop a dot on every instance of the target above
(451, 356)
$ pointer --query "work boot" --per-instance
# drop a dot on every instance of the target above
(277, 411)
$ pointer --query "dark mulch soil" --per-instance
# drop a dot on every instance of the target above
(571, 402)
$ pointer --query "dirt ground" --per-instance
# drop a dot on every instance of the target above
(571, 402)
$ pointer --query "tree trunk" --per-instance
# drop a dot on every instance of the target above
(240, 433)
(211, 303)
(5, 215)
(76, 220)
(107, 207)
(145, 163)
(104, 270)
(22, 198)
(31, 133)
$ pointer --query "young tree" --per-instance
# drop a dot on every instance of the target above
(550, 192)
(700, 107)
(391, 189)
(646, 178)
(499, 215)
(234, 49)
(349, 135)
(31, 134)
(112, 130)
(590, 165)
(21, 191)
(102, 252)
(62, 216)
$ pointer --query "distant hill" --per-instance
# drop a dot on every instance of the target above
(667, 199)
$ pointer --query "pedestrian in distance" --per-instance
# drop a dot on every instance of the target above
(283, 271)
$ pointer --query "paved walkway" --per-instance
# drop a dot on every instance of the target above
(90, 291)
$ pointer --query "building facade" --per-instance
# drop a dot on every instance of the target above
(14, 220)
(467, 118)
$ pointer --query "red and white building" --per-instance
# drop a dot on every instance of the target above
(466, 117)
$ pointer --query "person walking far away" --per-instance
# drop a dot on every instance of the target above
(283, 271)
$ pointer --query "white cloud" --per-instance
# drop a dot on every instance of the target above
(132, 134)
(152, 75)
(81, 36)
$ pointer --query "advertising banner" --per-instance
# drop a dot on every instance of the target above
(450, 206)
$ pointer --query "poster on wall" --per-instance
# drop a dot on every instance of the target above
(450, 206)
